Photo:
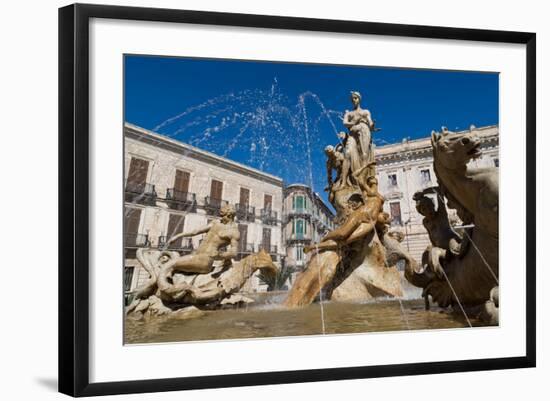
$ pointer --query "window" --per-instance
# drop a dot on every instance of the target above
(268, 202)
(298, 202)
(216, 189)
(299, 228)
(128, 276)
(392, 180)
(181, 181)
(266, 239)
(299, 253)
(137, 175)
(496, 162)
(243, 231)
(425, 177)
(244, 197)
(132, 217)
(395, 212)
(175, 226)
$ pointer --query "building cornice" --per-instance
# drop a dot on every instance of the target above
(418, 149)
(291, 188)
(148, 137)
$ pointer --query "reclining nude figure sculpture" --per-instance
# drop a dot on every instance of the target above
(361, 220)
(219, 234)
(207, 277)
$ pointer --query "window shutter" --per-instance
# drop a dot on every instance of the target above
(175, 226)
(181, 181)
(266, 239)
(244, 198)
(132, 220)
(268, 201)
(243, 231)
(216, 189)
(137, 174)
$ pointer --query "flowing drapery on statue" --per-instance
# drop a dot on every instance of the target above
(351, 262)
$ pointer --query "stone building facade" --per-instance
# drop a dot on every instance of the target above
(306, 218)
(172, 187)
(407, 167)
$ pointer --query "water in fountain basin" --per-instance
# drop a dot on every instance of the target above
(270, 320)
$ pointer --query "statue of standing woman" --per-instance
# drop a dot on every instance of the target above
(360, 125)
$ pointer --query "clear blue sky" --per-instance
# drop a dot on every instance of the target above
(273, 115)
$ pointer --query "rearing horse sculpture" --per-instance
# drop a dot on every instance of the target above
(473, 192)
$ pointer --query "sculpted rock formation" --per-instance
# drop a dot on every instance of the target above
(351, 262)
(207, 278)
(461, 270)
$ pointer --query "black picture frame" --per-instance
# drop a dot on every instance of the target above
(74, 198)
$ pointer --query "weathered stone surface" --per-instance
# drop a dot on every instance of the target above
(236, 299)
(350, 262)
(204, 278)
(320, 272)
(467, 275)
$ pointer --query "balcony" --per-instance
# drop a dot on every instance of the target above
(268, 216)
(135, 240)
(180, 245)
(299, 237)
(321, 226)
(298, 212)
(212, 206)
(246, 248)
(301, 210)
(245, 212)
(180, 200)
(140, 192)
(271, 249)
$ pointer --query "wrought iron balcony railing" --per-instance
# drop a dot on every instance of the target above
(268, 216)
(135, 240)
(140, 192)
(181, 244)
(301, 210)
(180, 196)
(213, 205)
(181, 200)
(271, 249)
(245, 212)
(299, 237)
(246, 248)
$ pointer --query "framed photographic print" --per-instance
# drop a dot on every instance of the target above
(254, 199)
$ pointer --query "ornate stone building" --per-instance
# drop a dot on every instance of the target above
(306, 218)
(407, 167)
(172, 187)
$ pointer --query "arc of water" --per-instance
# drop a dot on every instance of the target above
(242, 96)
(481, 256)
(456, 297)
(404, 314)
(306, 131)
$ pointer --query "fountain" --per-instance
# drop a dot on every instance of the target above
(461, 271)
(208, 277)
(356, 261)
